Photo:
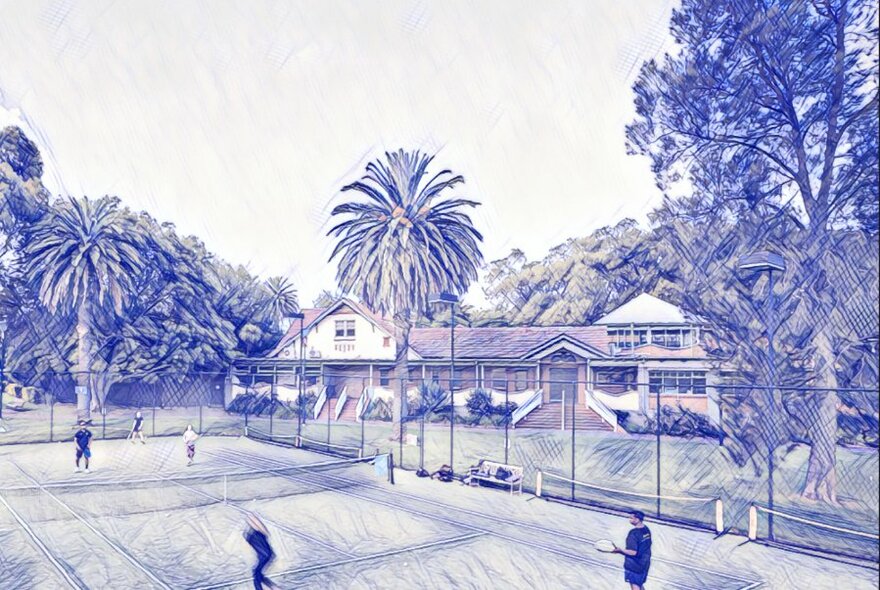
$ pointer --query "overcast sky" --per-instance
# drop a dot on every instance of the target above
(239, 121)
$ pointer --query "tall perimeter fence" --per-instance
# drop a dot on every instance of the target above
(748, 460)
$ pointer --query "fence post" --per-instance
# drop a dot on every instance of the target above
(658, 450)
(200, 418)
(103, 422)
(506, 419)
(51, 417)
(573, 447)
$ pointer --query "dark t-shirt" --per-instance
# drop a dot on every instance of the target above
(138, 422)
(82, 438)
(639, 540)
(260, 543)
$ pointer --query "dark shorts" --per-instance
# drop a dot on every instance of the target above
(80, 452)
(635, 577)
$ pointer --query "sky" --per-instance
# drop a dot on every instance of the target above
(239, 121)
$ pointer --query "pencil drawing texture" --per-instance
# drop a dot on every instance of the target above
(439, 295)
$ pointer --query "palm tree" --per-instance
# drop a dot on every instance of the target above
(81, 257)
(401, 243)
(282, 300)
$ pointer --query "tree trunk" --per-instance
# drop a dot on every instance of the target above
(83, 361)
(821, 481)
(402, 327)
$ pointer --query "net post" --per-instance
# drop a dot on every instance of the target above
(753, 522)
(390, 460)
(719, 516)
(225, 489)
(539, 483)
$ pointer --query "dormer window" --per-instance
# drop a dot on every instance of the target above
(344, 329)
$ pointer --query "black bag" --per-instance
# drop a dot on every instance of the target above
(502, 474)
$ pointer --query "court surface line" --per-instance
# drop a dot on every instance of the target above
(281, 526)
(27, 529)
(749, 582)
(454, 523)
(322, 566)
(125, 554)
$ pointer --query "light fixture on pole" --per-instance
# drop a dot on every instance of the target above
(769, 262)
(452, 300)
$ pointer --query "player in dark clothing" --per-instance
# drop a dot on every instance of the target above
(137, 429)
(83, 440)
(637, 554)
(258, 537)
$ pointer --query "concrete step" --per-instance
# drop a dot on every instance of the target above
(550, 416)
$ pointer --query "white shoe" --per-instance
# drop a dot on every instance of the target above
(87, 470)
(76, 470)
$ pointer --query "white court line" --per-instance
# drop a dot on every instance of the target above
(125, 554)
(523, 524)
(281, 526)
(70, 579)
(454, 523)
(323, 566)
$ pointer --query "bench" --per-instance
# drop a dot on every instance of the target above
(486, 471)
(16, 404)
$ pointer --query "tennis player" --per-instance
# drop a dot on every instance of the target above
(258, 537)
(637, 554)
(137, 429)
(189, 439)
(83, 442)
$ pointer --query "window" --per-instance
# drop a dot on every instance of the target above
(677, 382)
(458, 378)
(521, 380)
(384, 377)
(626, 338)
(498, 379)
(386, 342)
(435, 376)
(415, 375)
(667, 338)
(344, 329)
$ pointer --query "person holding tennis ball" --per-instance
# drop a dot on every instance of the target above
(637, 554)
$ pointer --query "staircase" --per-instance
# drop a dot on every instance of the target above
(549, 416)
(348, 410)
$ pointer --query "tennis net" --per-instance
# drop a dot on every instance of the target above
(828, 533)
(700, 512)
(301, 442)
(141, 495)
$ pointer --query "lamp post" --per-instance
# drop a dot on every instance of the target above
(770, 262)
(2, 361)
(302, 370)
(451, 300)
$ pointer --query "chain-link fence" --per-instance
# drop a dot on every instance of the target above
(796, 466)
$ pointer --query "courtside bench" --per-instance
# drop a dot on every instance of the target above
(487, 471)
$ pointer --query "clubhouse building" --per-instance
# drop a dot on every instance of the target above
(644, 350)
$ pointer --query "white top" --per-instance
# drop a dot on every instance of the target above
(190, 436)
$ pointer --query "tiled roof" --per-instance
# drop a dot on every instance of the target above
(500, 343)
(293, 331)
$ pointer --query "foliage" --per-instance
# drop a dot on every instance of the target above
(481, 410)
(674, 421)
(766, 118)
(430, 397)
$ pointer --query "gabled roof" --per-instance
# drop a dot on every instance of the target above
(503, 343)
(646, 309)
(314, 317)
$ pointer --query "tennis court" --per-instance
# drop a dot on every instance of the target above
(144, 519)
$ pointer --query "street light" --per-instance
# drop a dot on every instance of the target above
(2, 361)
(769, 262)
(302, 370)
(451, 300)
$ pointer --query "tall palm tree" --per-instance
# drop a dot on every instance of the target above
(400, 243)
(83, 257)
(282, 298)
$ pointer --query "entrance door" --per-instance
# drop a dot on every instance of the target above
(563, 380)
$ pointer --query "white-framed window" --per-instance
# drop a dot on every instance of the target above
(628, 338)
(677, 382)
(344, 329)
(498, 379)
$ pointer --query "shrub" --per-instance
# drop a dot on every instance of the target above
(378, 409)
(479, 405)
(674, 421)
